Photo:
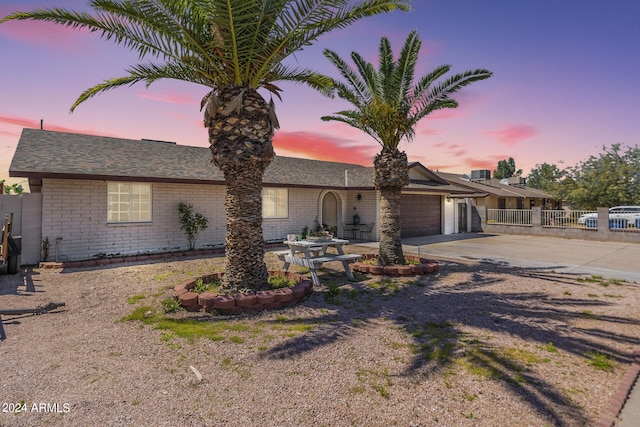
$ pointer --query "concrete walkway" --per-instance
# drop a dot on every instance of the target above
(612, 260)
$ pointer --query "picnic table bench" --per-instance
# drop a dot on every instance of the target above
(312, 254)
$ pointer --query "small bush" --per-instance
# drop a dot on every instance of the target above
(191, 223)
(170, 305)
(201, 287)
(280, 282)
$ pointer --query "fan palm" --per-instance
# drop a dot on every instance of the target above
(234, 48)
(387, 107)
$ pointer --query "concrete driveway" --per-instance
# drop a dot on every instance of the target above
(615, 260)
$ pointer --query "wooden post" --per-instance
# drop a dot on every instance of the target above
(6, 232)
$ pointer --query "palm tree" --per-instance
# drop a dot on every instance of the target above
(387, 107)
(234, 48)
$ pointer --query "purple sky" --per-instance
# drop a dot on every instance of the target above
(564, 85)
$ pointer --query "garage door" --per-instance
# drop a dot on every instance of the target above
(419, 215)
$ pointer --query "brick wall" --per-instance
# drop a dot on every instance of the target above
(76, 211)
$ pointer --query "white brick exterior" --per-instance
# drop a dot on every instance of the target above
(76, 211)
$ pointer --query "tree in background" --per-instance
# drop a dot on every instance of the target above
(506, 169)
(232, 48)
(8, 189)
(387, 105)
(547, 177)
(609, 179)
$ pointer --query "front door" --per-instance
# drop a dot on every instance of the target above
(330, 210)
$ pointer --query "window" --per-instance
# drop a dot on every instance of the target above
(275, 203)
(129, 202)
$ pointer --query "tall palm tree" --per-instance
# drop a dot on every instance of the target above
(234, 48)
(387, 106)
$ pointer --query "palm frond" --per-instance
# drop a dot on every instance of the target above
(403, 76)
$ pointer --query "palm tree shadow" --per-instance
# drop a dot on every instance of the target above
(439, 312)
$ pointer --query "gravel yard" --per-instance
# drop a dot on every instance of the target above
(474, 345)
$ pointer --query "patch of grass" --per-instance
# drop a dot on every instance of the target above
(470, 397)
(170, 305)
(144, 314)
(435, 341)
(550, 347)
(280, 282)
(588, 314)
(599, 361)
(332, 296)
(613, 296)
(236, 339)
(161, 277)
(357, 389)
(600, 280)
(520, 355)
(385, 286)
(200, 286)
(378, 379)
(300, 327)
(134, 299)
(592, 295)
(566, 293)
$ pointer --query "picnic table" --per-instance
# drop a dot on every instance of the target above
(312, 254)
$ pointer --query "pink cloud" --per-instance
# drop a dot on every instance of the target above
(169, 98)
(321, 147)
(513, 135)
(42, 34)
(35, 124)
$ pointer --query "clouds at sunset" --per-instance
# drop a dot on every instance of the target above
(42, 34)
(322, 147)
(22, 122)
(513, 135)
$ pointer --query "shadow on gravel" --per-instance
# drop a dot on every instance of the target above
(433, 315)
(22, 283)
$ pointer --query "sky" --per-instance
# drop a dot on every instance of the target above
(564, 85)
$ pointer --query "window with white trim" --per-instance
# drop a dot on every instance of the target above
(129, 202)
(275, 203)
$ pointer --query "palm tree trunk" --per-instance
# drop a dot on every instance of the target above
(390, 251)
(244, 243)
(391, 175)
(240, 134)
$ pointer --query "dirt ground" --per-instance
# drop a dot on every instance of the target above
(474, 345)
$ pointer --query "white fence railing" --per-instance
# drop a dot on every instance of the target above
(569, 219)
(619, 221)
(521, 217)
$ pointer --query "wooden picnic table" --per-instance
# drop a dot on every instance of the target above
(312, 254)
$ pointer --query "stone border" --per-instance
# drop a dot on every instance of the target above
(619, 398)
(272, 299)
(129, 258)
(425, 267)
(143, 257)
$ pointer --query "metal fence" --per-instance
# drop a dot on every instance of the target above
(619, 221)
(521, 217)
(570, 219)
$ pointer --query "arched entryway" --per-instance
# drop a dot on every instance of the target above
(329, 214)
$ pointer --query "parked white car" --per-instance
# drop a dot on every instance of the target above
(630, 213)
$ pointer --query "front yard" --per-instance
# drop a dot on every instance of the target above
(475, 345)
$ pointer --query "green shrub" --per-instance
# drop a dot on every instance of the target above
(280, 282)
(191, 223)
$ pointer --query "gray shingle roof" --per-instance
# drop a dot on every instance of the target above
(494, 187)
(48, 154)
